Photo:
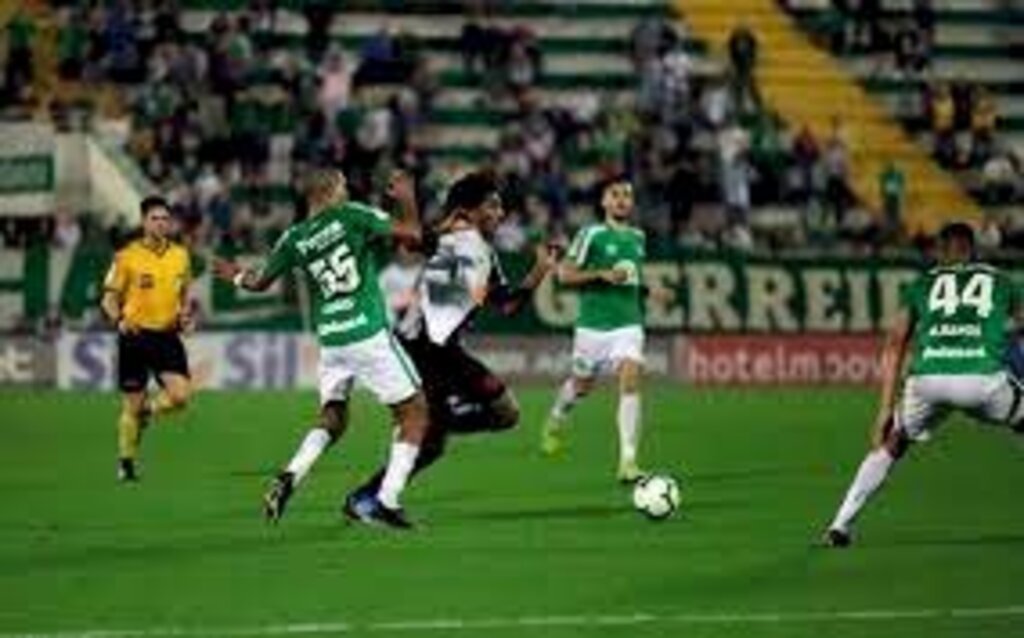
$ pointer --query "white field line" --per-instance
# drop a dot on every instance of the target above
(524, 622)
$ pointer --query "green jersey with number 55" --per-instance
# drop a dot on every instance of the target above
(961, 313)
(335, 250)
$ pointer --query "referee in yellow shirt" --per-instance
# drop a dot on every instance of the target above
(146, 297)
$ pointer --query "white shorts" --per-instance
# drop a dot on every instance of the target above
(598, 351)
(928, 398)
(378, 363)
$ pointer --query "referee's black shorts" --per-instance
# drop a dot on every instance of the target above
(146, 353)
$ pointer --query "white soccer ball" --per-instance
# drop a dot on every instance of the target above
(657, 496)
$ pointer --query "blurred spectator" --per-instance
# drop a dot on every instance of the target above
(942, 114)
(962, 93)
(743, 57)
(650, 39)
(924, 18)
(836, 166)
(319, 16)
(1002, 179)
(983, 127)
(67, 231)
(734, 146)
(892, 188)
(911, 52)
(72, 43)
(335, 86)
(768, 156)
(522, 63)
(805, 160)
(21, 31)
(866, 24)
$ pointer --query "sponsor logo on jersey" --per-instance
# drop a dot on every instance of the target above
(954, 353)
(338, 327)
(341, 305)
(955, 330)
(322, 238)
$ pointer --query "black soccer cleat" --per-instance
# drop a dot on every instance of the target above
(837, 538)
(378, 514)
(357, 507)
(126, 471)
(276, 499)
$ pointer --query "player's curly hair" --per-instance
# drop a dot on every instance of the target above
(470, 191)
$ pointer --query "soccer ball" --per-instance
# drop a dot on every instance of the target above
(657, 496)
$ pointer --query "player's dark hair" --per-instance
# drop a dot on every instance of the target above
(471, 191)
(151, 202)
(607, 183)
(957, 230)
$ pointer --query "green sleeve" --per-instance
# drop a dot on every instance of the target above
(281, 259)
(580, 245)
(373, 221)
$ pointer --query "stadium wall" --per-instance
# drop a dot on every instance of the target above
(256, 361)
(714, 294)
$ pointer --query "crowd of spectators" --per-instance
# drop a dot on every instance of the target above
(226, 119)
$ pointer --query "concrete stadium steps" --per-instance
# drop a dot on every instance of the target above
(436, 26)
(578, 9)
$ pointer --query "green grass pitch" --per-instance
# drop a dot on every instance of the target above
(510, 543)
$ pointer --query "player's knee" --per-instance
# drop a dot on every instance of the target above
(332, 418)
(629, 377)
(897, 442)
(583, 385)
(133, 404)
(412, 416)
(177, 398)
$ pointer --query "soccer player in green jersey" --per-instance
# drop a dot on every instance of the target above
(605, 262)
(335, 248)
(952, 335)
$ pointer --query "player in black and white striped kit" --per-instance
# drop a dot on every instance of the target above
(461, 275)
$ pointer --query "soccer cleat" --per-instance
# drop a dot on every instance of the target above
(276, 499)
(357, 507)
(126, 471)
(551, 442)
(629, 472)
(837, 538)
(378, 514)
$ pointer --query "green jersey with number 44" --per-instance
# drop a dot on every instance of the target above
(605, 306)
(336, 251)
(961, 316)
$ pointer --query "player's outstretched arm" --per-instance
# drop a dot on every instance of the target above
(510, 300)
(406, 229)
(229, 271)
(894, 356)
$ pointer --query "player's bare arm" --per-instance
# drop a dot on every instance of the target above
(572, 275)
(186, 319)
(406, 229)
(894, 356)
(510, 301)
(244, 278)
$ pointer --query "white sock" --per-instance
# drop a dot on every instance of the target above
(309, 451)
(629, 427)
(564, 402)
(403, 457)
(870, 476)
